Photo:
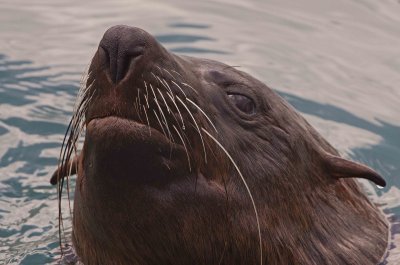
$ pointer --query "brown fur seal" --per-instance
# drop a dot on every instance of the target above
(190, 161)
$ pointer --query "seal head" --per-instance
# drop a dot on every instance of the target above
(190, 161)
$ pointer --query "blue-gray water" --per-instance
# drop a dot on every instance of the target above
(336, 61)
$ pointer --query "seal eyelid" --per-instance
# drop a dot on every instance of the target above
(243, 103)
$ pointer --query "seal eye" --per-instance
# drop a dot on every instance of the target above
(245, 104)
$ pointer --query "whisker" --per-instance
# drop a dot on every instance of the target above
(189, 86)
(184, 145)
(176, 72)
(179, 112)
(173, 77)
(139, 110)
(71, 136)
(155, 77)
(245, 184)
(197, 127)
(205, 115)
(147, 102)
(147, 118)
(183, 92)
(138, 96)
(147, 95)
(165, 84)
(136, 107)
(159, 121)
(159, 69)
(168, 109)
(168, 87)
(165, 122)
(162, 114)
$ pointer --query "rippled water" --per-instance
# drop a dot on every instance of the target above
(337, 61)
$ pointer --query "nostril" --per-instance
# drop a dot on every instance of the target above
(109, 61)
(124, 64)
(104, 56)
(119, 62)
(135, 51)
(125, 60)
(120, 50)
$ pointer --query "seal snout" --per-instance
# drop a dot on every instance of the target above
(121, 48)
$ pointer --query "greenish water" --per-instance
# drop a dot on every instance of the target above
(337, 62)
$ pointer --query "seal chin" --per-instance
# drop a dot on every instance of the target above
(124, 149)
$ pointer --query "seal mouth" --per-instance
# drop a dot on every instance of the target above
(128, 130)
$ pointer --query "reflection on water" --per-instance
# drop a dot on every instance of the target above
(337, 62)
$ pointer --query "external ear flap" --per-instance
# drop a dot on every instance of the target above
(67, 169)
(342, 168)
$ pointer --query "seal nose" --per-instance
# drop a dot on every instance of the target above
(122, 46)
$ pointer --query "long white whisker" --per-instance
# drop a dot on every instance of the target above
(162, 83)
(184, 145)
(162, 114)
(159, 121)
(176, 73)
(179, 112)
(146, 97)
(162, 96)
(187, 85)
(247, 188)
(167, 86)
(138, 96)
(205, 115)
(197, 127)
(183, 92)
(136, 107)
(168, 108)
(155, 77)
(159, 69)
(147, 101)
(173, 77)
(147, 118)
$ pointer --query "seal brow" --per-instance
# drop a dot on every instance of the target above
(245, 184)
